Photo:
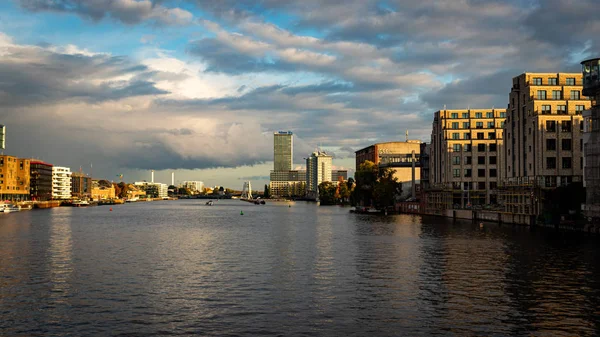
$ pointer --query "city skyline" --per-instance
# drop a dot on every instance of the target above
(132, 86)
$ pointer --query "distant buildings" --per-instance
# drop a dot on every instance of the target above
(337, 174)
(153, 190)
(318, 170)
(40, 180)
(61, 182)
(194, 186)
(285, 182)
(102, 190)
(14, 178)
(591, 88)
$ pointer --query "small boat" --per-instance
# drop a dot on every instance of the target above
(134, 199)
(209, 203)
(80, 203)
(9, 208)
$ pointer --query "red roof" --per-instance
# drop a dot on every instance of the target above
(32, 162)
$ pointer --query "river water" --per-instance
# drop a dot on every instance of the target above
(180, 267)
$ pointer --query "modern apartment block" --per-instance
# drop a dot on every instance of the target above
(318, 170)
(40, 180)
(543, 129)
(14, 178)
(194, 186)
(465, 156)
(285, 182)
(591, 174)
(61, 182)
(81, 185)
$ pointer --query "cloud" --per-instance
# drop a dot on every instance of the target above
(126, 11)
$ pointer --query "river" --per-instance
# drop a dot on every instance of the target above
(180, 267)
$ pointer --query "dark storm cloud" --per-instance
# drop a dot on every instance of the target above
(125, 11)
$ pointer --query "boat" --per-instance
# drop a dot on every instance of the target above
(366, 210)
(9, 208)
(134, 199)
(80, 203)
(209, 203)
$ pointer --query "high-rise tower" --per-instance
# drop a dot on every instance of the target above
(283, 145)
(591, 138)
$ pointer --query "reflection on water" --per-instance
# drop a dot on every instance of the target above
(184, 268)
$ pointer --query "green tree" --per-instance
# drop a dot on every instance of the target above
(366, 178)
(327, 193)
(386, 189)
(344, 192)
(184, 191)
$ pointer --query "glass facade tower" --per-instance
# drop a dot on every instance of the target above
(282, 149)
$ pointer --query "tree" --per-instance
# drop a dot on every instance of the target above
(184, 191)
(327, 193)
(117, 189)
(344, 192)
(124, 189)
(267, 192)
(386, 189)
(366, 178)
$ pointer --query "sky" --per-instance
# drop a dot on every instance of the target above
(198, 87)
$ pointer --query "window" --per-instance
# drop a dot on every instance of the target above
(551, 162)
(493, 173)
(481, 160)
(551, 126)
(579, 109)
(570, 81)
(466, 125)
(567, 162)
(546, 110)
(493, 160)
(552, 81)
(479, 135)
(468, 161)
(454, 115)
(481, 185)
(575, 94)
(490, 125)
(479, 125)
(551, 144)
(493, 147)
(468, 147)
(456, 173)
(456, 147)
(481, 147)
(502, 124)
(541, 94)
(503, 115)
(556, 94)
(465, 115)
(481, 173)
(566, 145)
(1, 161)
(490, 114)
(537, 81)
(455, 135)
(456, 160)
(478, 115)
(493, 185)
(565, 126)
(561, 109)
(581, 144)
(530, 148)
(455, 125)
(491, 135)
(468, 173)
(466, 135)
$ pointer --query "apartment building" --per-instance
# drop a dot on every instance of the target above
(14, 178)
(81, 185)
(544, 129)
(465, 155)
(318, 170)
(591, 174)
(40, 186)
(61, 182)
